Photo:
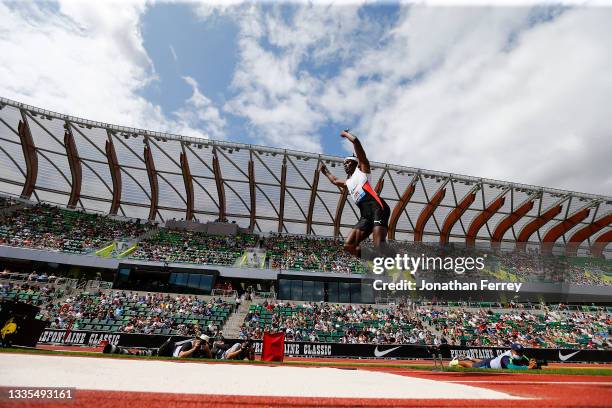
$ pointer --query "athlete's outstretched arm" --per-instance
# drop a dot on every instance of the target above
(364, 164)
(335, 180)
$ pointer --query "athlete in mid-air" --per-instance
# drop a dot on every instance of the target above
(374, 210)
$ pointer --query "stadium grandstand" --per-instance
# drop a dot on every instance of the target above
(139, 174)
(120, 230)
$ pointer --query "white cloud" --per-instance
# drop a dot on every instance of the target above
(493, 92)
(535, 113)
(276, 93)
(200, 113)
(467, 90)
(86, 59)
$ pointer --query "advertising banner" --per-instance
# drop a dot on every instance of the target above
(334, 350)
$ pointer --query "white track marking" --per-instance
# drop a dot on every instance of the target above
(534, 382)
(224, 379)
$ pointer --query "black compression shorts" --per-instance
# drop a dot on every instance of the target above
(372, 215)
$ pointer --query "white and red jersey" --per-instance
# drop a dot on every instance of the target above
(359, 187)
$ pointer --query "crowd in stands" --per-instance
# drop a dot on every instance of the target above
(47, 227)
(292, 252)
(555, 329)
(27, 292)
(402, 324)
(34, 276)
(560, 326)
(53, 228)
(134, 312)
(6, 201)
(353, 324)
(519, 266)
(194, 247)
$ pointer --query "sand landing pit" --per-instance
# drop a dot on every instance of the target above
(225, 379)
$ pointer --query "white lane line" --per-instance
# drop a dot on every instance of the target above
(225, 379)
(535, 382)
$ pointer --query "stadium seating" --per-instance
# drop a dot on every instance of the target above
(306, 253)
(6, 201)
(326, 322)
(52, 228)
(132, 312)
(46, 227)
(26, 292)
(193, 247)
(484, 327)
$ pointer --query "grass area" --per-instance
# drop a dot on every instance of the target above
(391, 364)
(544, 370)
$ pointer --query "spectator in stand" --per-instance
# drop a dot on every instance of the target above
(162, 311)
(46, 227)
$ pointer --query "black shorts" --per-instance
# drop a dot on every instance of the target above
(372, 215)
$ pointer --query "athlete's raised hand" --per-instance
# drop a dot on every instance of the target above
(335, 180)
(345, 133)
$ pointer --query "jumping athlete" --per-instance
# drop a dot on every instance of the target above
(374, 210)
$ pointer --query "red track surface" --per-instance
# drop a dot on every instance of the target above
(546, 390)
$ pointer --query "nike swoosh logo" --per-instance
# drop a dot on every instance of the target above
(378, 353)
(563, 358)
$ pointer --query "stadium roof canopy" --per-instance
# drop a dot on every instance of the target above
(50, 157)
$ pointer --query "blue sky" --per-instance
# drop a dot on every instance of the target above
(511, 93)
(182, 43)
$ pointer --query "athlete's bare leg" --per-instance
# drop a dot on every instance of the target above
(351, 245)
(379, 236)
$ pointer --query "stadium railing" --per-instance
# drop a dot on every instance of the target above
(224, 293)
